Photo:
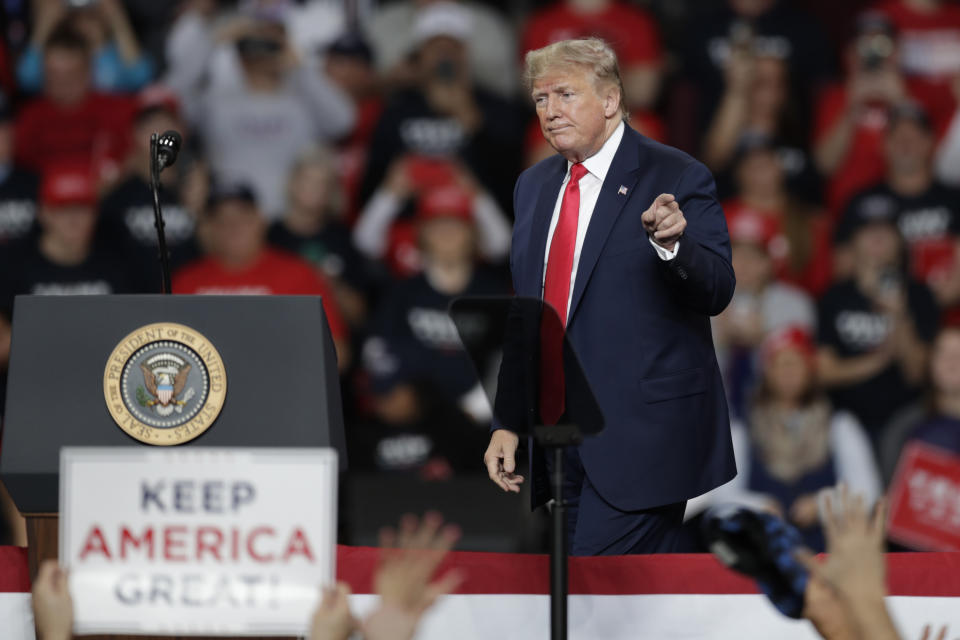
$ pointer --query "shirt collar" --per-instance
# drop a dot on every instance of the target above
(599, 163)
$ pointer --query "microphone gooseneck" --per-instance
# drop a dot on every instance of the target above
(162, 154)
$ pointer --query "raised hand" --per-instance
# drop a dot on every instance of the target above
(855, 569)
(408, 562)
(52, 604)
(664, 221)
(332, 620)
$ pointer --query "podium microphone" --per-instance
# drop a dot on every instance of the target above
(168, 146)
(163, 153)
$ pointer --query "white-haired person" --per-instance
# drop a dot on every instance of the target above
(625, 239)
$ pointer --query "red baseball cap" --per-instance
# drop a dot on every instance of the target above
(752, 227)
(427, 172)
(791, 337)
(451, 201)
(158, 96)
(68, 184)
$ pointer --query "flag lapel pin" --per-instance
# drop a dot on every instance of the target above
(622, 191)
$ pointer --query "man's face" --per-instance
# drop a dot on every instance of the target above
(66, 76)
(877, 245)
(909, 147)
(236, 231)
(352, 73)
(573, 114)
(69, 225)
(760, 173)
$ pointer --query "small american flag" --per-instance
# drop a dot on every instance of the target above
(622, 191)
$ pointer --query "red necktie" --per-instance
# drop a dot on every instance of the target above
(556, 292)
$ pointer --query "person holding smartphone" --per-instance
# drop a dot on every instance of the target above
(875, 328)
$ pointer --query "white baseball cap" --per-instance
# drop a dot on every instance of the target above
(442, 19)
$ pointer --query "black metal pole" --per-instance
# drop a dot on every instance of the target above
(158, 216)
(558, 552)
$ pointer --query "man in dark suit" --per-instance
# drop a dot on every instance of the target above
(624, 237)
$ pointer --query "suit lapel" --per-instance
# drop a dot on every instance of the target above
(623, 172)
(546, 202)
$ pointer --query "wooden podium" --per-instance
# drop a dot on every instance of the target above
(282, 387)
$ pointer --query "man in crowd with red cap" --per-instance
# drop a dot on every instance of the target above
(239, 262)
(61, 259)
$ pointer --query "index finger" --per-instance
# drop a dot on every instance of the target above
(664, 199)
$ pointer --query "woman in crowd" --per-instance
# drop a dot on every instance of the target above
(757, 102)
(793, 443)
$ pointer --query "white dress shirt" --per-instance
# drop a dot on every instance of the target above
(597, 167)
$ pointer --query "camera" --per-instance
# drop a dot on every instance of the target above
(874, 50)
(446, 71)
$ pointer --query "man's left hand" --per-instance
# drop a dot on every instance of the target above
(664, 222)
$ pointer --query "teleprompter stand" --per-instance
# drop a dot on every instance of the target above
(508, 330)
(554, 439)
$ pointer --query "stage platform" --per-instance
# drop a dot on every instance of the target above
(614, 598)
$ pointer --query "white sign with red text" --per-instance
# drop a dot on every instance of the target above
(197, 541)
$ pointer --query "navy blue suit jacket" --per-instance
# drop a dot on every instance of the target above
(639, 325)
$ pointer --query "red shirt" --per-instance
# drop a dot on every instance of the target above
(274, 273)
(631, 31)
(929, 42)
(817, 274)
(94, 131)
(864, 164)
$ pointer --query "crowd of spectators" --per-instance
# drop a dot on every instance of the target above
(367, 151)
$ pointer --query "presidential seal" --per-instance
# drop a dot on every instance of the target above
(164, 384)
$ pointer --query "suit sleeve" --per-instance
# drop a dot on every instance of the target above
(701, 274)
(510, 365)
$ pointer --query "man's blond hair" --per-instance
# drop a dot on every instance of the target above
(591, 53)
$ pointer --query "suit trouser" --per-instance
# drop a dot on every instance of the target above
(595, 527)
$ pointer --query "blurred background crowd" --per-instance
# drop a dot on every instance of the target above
(366, 151)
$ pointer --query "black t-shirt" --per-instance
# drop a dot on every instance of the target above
(925, 220)
(331, 250)
(414, 341)
(18, 205)
(409, 125)
(849, 323)
(442, 432)
(24, 270)
(413, 332)
(127, 222)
